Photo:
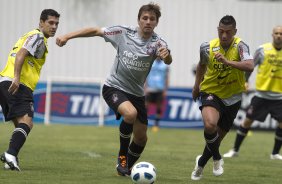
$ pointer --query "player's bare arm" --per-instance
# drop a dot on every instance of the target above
(246, 65)
(164, 54)
(17, 70)
(85, 32)
(200, 72)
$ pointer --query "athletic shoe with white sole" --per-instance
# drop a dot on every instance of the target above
(231, 153)
(7, 167)
(276, 157)
(10, 160)
(218, 167)
(197, 173)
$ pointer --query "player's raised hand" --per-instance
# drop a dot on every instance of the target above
(61, 41)
(163, 53)
(220, 57)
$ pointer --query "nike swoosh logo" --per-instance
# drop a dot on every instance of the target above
(222, 77)
(273, 70)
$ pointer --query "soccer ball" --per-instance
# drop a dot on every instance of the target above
(143, 173)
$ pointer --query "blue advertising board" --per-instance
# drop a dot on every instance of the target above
(179, 110)
(71, 104)
(79, 104)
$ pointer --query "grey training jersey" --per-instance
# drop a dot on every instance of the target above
(134, 58)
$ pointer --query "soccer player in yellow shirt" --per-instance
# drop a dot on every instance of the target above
(219, 83)
(18, 80)
(268, 96)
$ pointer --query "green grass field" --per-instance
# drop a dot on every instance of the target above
(87, 154)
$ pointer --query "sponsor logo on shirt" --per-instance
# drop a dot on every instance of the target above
(132, 62)
(214, 49)
(113, 32)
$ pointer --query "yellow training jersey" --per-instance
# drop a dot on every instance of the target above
(36, 44)
(220, 79)
(269, 75)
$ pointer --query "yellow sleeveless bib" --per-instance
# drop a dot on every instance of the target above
(31, 68)
(220, 79)
(269, 75)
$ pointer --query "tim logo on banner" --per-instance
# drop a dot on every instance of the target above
(72, 104)
(179, 110)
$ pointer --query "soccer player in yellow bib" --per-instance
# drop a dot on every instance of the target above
(18, 80)
(219, 83)
(268, 96)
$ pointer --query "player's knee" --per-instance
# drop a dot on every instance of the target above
(130, 116)
(210, 126)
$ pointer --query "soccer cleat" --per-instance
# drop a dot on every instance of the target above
(7, 167)
(11, 161)
(218, 167)
(231, 153)
(276, 157)
(121, 167)
(197, 173)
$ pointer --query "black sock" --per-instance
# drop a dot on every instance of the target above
(205, 157)
(277, 141)
(213, 143)
(125, 131)
(241, 134)
(158, 117)
(18, 138)
(134, 153)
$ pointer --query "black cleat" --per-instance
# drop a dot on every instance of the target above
(122, 168)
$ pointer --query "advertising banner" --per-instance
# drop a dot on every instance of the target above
(71, 104)
(81, 104)
(179, 110)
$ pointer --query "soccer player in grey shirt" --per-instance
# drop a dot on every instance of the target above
(137, 48)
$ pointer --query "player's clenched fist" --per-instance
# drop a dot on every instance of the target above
(61, 41)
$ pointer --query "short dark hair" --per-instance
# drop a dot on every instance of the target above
(228, 20)
(48, 12)
(150, 7)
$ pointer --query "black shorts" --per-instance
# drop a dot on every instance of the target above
(227, 113)
(260, 108)
(16, 105)
(114, 97)
(154, 97)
